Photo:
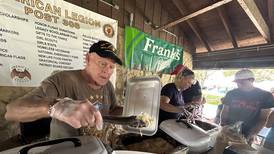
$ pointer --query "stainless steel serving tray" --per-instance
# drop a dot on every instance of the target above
(143, 95)
(74, 145)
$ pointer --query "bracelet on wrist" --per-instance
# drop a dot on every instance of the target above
(50, 107)
(51, 110)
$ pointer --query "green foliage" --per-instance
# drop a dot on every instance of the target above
(213, 99)
(263, 74)
(202, 75)
(228, 73)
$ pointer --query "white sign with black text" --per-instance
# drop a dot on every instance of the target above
(38, 37)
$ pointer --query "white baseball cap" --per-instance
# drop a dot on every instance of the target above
(244, 74)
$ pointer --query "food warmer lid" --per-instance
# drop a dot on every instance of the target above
(143, 96)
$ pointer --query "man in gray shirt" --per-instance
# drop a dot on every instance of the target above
(247, 104)
(68, 96)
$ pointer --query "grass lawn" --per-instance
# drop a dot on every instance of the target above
(213, 99)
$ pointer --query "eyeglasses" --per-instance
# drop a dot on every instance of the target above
(103, 65)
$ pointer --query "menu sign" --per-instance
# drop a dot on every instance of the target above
(38, 37)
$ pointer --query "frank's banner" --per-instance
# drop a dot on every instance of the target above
(144, 52)
(38, 37)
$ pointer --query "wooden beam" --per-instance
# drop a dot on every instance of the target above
(271, 18)
(256, 17)
(259, 62)
(236, 53)
(148, 21)
(254, 56)
(192, 15)
(197, 31)
(183, 10)
(225, 21)
(187, 43)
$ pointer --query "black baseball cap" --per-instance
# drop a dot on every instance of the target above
(106, 50)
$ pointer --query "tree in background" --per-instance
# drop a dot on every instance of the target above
(202, 75)
(260, 74)
(214, 99)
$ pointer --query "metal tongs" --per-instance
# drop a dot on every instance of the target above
(184, 121)
(131, 121)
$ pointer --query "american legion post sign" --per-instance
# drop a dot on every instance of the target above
(38, 37)
(144, 52)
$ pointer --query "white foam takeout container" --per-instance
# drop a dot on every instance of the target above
(143, 95)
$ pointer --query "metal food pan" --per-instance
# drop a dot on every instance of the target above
(74, 145)
(160, 143)
(195, 138)
(143, 95)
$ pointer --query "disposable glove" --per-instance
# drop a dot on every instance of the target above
(76, 113)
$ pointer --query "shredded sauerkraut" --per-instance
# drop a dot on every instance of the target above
(146, 118)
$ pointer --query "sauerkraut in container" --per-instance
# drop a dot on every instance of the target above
(143, 100)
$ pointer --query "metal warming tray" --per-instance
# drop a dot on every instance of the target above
(196, 138)
(161, 143)
(143, 95)
(75, 145)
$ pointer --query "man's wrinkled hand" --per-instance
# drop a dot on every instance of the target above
(77, 113)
